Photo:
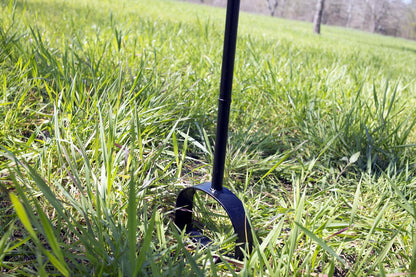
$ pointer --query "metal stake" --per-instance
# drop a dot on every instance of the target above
(229, 201)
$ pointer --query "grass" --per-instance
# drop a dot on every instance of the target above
(109, 111)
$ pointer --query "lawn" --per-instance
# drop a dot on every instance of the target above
(108, 111)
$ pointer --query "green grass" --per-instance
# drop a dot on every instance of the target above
(108, 110)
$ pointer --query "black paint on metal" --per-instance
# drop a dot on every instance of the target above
(231, 204)
(224, 101)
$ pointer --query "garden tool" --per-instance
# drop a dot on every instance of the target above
(229, 201)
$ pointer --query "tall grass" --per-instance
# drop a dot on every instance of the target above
(109, 110)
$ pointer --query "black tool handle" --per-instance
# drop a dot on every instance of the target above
(224, 101)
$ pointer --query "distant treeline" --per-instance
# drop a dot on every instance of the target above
(387, 17)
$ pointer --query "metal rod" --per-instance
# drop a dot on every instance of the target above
(224, 101)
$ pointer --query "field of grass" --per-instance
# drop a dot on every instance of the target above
(108, 110)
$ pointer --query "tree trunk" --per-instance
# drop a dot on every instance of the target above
(318, 16)
(272, 6)
(349, 13)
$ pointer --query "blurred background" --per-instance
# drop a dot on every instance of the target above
(388, 17)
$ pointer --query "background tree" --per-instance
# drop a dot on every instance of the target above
(349, 12)
(377, 11)
(410, 27)
(272, 6)
(318, 16)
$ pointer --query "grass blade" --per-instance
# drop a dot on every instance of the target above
(21, 213)
(321, 243)
(145, 244)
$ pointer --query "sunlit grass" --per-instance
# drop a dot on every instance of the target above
(108, 110)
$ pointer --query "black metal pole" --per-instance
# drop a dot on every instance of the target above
(224, 101)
